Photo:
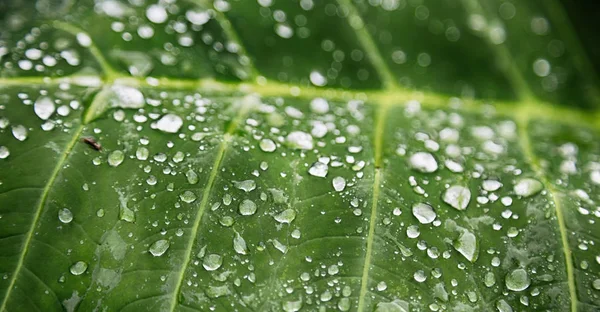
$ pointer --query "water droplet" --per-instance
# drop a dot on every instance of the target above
(458, 197)
(317, 79)
(169, 123)
(212, 262)
(424, 213)
(466, 245)
(78, 268)
(381, 286)
(503, 306)
(299, 140)
(156, 14)
(394, 306)
(192, 177)
(197, 17)
(239, 244)
(517, 280)
(491, 185)
(528, 187)
(319, 105)
(19, 132)
(318, 169)
(188, 197)
(246, 185)
(159, 247)
(267, 145)
(423, 162)
(339, 184)
(4, 152)
(292, 306)
(490, 279)
(344, 304)
(247, 207)
(115, 158)
(44, 107)
(65, 215)
(596, 284)
(286, 216)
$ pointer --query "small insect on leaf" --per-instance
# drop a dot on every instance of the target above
(92, 143)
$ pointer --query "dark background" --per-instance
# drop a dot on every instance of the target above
(585, 17)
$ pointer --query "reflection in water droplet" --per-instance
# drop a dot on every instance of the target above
(159, 247)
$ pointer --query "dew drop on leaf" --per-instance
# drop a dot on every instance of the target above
(19, 132)
(457, 196)
(286, 216)
(65, 215)
(424, 162)
(318, 169)
(317, 79)
(299, 140)
(169, 123)
(115, 158)
(394, 306)
(466, 245)
(4, 152)
(44, 107)
(192, 176)
(246, 185)
(247, 207)
(292, 306)
(528, 187)
(212, 262)
(267, 145)
(156, 14)
(503, 306)
(517, 280)
(339, 184)
(78, 268)
(239, 244)
(159, 247)
(188, 197)
(424, 213)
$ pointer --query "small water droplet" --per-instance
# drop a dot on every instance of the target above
(267, 145)
(339, 184)
(212, 262)
(44, 107)
(299, 140)
(517, 280)
(188, 197)
(169, 123)
(19, 132)
(247, 207)
(528, 187)
(78, 268)
(318, 169)
(246, 185)
(239, 244)
(466, 245)
(458, 197)
(4, 152)
(115, 158)
(423, 162)
(286, 216)
(424, 213)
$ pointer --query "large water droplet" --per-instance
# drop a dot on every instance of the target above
(239, 244)
(458, 197)
(247, 207)
(339, 184)
(159, 247)
(286, 216)
(44, 107)
(466, 245)
(19, 132)
(78, 268)
(267, 145)
(115, 158)
(169, 123)
(423, 162)
(517, 280)
(318, 169)
(299, 140)
(212, 262)
(65, 215)
(156, 14)
(528, 187)
(424, 213)
(188, 197)
(246, 185)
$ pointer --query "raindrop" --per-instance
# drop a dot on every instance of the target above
(246, 185)
(286, 216)
(318, 169)
(212, 262)
(192, 177)
(4, 152)
(424, 213)
(19, 132)
(156, 14)
(299, 140)
(78, 268)
(187, 197)
(247, 207)
(239, 244)
(466, 245)
(424, 162)
(528, 187)
(169, 123)
(457, 196)
(517, 280)
(115, 158)
(267, 145)
(159, 247)
(44, 108)
(317, 79)
(339, 184)
(65, 215)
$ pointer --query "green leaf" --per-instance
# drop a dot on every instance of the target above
(297, 155)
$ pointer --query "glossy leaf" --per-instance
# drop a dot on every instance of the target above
(296, 155)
